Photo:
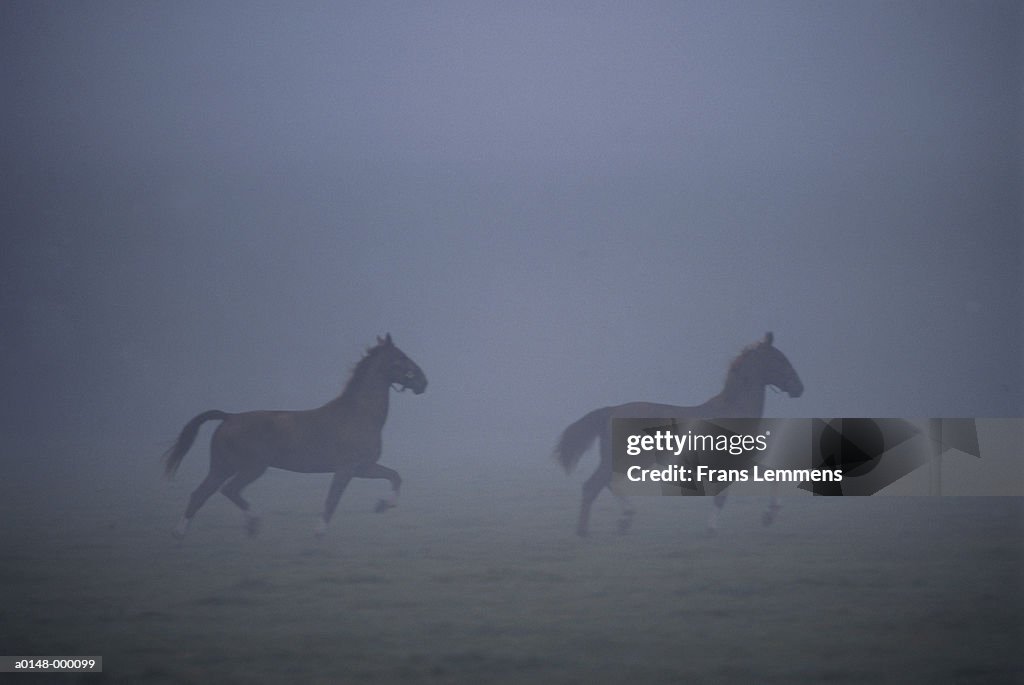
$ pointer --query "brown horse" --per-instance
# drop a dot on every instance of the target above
(754, 369)
(341, 437)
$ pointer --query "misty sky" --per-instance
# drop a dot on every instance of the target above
(551, 207)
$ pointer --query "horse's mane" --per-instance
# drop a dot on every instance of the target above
(362, 367)
(734, 364)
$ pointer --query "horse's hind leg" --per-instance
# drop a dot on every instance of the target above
(233, 491)
(591, 489)
(626, 519)
(377, 471)
(198, 497)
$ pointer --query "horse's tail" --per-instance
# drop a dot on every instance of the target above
(579, 436)
(172, 457)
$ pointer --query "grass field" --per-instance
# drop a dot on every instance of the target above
(483, 581)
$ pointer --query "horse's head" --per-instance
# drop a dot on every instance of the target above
(763, 364)
(398, 368)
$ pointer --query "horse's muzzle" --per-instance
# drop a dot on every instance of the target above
(417, 386)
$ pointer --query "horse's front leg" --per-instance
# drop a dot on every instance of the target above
(375, 470)
(338, 484)
(774, 505)
(715, 516)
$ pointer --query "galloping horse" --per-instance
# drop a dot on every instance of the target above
(755, 368)
(341, 437)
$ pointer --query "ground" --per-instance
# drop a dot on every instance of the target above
(486, 582)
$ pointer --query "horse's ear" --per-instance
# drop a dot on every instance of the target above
(768, 338)
(387, 339)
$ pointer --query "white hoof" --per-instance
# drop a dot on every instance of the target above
(182, 528)
(252, 524)
(768, 517)
(713, 522)
(320, 528)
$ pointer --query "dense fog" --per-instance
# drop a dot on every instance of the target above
(550, 207)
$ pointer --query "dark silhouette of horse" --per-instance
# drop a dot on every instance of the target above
(341, 437)
(756, 367)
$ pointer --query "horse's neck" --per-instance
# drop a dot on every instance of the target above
(368, 400)
(737, 400)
